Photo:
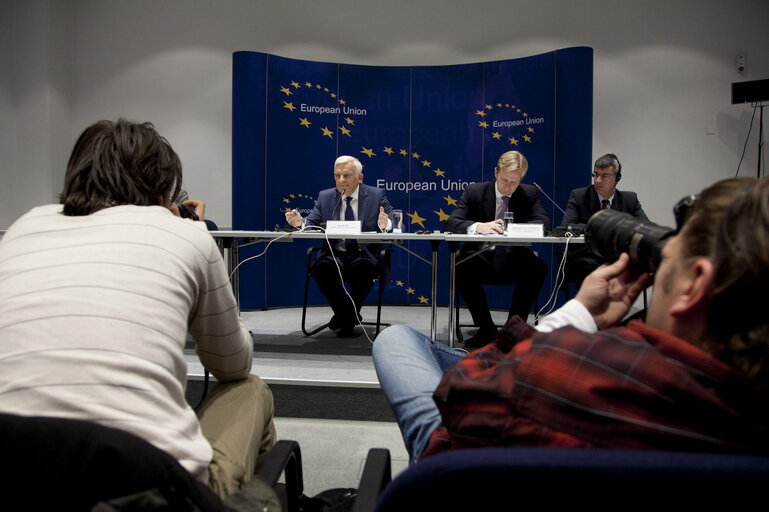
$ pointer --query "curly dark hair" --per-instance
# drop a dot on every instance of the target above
(730, 226)
(115, 163)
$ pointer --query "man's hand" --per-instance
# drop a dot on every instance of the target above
(493, 227)
(382, 221)
(198, 206)
(610, 290)
(294, 218)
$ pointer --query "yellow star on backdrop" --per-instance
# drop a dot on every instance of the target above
(345, 131)
(527, 138)
(442, 216)
(398, 283)
(513, 141)
(404, 152)
(425, 163)
(325, 89)
(286, 90)
(333, 95)
(327, 132)
(415, 155)
(438, 172)
(308, 84)
(289, 106)
(416, 219)
(304, 122)
(480, 113)
(389, 151)
(295, 84)
(517, 109)
(410, 290)
(496, 135)
(292, 196)
(499, 105)
(489, 107)
(525, 114)
(317, 86)
(342, 102)
(369, 152)
(349, 121)
(450, 200)
(531, 130)
(285, 200)
(483, 124)
(423, 300)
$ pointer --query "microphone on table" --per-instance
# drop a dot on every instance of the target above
(574, 230)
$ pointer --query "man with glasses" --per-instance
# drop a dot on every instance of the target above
(351, 200)
(585, 201)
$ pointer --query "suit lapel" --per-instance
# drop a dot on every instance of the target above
(337, 206)
(362, 201)
(617, 203)
(490, 202)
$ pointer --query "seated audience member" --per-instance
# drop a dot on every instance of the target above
(480, 211)
(351, 199)
(585, 201)
(97, 295)
(693, 376)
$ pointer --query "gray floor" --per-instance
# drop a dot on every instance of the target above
(323, 376)
(326, 391)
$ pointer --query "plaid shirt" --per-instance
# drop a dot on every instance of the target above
(631, 387)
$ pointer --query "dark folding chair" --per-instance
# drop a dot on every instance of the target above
(382, 275)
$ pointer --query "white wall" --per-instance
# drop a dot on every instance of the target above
(662, 76)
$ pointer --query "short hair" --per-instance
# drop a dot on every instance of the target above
(513, 161)
(608, 160)
(345, 159)
(116, 163)
(730, 226)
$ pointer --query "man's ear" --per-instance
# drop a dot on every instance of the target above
(360, 178)
(696, 285)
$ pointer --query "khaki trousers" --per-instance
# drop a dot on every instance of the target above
(236, 419)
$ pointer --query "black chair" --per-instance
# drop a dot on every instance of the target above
(66, 464)
(597, 479)
(382, 275)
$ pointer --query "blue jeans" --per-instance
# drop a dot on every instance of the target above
(410, 366)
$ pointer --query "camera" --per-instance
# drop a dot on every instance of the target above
(609, 233)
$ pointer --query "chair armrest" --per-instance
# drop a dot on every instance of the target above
(376, 475)
(285, 457)
(308, 262)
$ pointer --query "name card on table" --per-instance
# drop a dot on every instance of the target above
(343, 227)
(525, 230)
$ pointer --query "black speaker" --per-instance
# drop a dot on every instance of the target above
(749, 92)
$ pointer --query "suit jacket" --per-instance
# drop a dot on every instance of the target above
(369, 200)
(583, 203)
(478, 204)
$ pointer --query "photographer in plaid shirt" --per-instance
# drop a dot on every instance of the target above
(693, 376)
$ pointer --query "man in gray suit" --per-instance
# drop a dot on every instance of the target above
(585, 201)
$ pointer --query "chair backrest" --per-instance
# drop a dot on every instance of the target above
(505, 478)
(64, 464)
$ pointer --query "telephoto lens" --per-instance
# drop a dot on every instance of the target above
(609, 233)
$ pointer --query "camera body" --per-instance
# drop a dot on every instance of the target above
(609, 233)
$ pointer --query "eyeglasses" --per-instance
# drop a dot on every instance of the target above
(603, 175)
(683, 210)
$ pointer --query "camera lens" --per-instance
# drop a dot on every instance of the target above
(609, 233)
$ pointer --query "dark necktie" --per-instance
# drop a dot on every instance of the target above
(350, 244)
(348, 213)
(604, 204)
(503, 208)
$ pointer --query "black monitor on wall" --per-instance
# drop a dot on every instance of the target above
(753, 91)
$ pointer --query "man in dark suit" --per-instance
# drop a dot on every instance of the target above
(585, 201)
(349, 200)
(480, 212)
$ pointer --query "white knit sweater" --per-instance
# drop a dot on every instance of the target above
(94, 312)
